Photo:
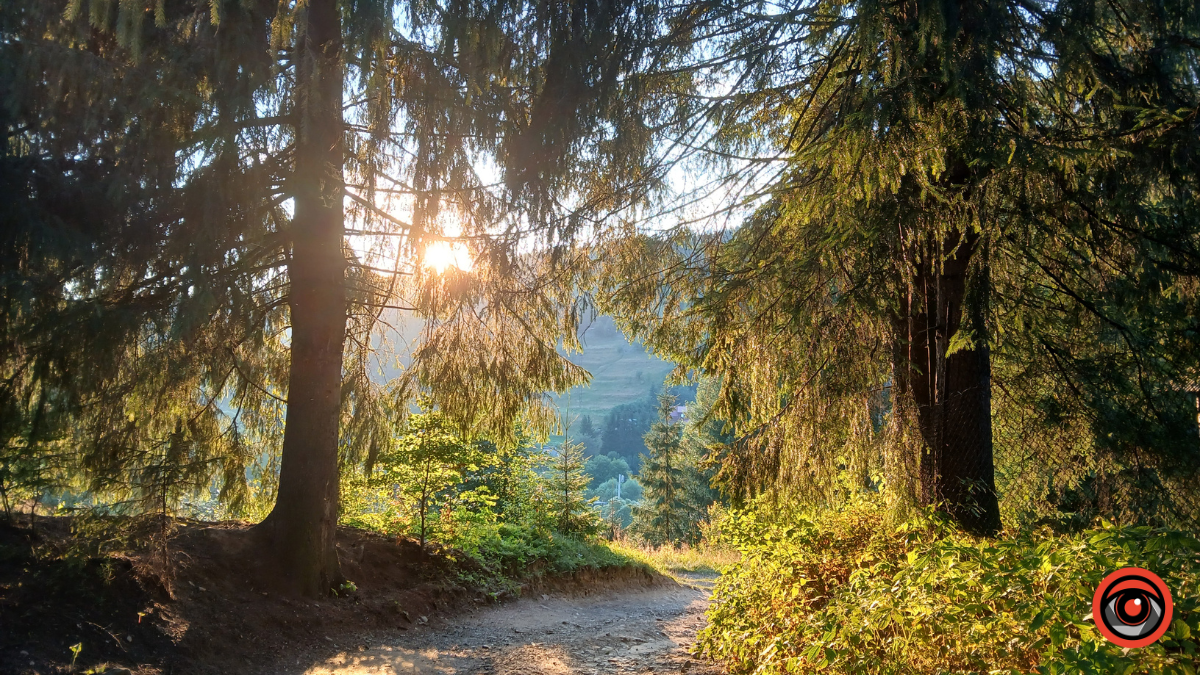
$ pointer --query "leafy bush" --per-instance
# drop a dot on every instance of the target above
(843, 592)
(631, 490)
(518, 551)
(604, 468)
(431, 482)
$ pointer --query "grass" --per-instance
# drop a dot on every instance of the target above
(509, 555)
(682, 561)
(622, 372)
(614, 362)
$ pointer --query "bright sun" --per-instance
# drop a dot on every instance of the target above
(442, 254)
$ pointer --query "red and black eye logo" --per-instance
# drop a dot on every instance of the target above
(1132, 607)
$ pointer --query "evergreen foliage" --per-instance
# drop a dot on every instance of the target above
(964, 265)
(675, 495)
(626, 425)
(704, 437)
(500, 505)
(960, 226)
(567, 486)
(586, 427)
(493, 504)
(624, 429)
(660, 520)
(177, 173)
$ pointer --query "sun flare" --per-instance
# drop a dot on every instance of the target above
(441, 255)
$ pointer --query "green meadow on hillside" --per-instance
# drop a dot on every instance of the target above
(622, 371)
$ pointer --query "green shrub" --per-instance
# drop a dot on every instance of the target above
(516, 551)
(842, 592)
(508, 554)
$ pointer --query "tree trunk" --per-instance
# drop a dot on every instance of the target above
(8, 520)
(301, 528)
(424, 503)
(952, 392)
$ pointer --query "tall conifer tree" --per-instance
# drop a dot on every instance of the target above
(924, 184)
(568, 484)
(184, 173)
(663, 517)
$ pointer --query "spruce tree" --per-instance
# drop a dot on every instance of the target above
(935, 197)
(571, 509)
(703, 438)
(664, 517)
(187, 180)
(586, 427)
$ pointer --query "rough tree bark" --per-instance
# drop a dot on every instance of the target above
(302, 526)
(952, 388)
(952, 392)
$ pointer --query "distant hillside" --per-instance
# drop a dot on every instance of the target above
(622, 372)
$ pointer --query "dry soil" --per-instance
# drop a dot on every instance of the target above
(636, 629)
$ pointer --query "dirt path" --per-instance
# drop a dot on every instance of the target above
(635, 631)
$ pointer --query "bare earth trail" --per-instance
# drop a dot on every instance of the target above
(627, 631)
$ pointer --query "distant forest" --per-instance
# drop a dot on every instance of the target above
(622, 430)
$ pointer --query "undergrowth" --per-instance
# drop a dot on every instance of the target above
(509, 554)
(515, 512)
(844, 592)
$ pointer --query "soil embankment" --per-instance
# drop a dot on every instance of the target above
(210, 612)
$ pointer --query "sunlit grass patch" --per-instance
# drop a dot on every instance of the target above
(685, 559)
(517, 552)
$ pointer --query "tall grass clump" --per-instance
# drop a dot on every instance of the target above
(703, 558)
